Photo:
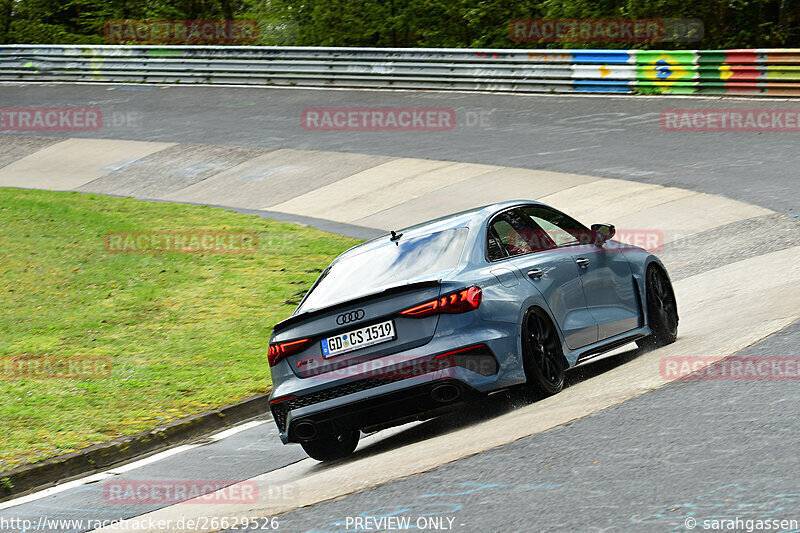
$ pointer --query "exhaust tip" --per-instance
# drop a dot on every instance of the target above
(305, 430)
(445, 393)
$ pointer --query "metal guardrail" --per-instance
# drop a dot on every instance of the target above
(774, 72)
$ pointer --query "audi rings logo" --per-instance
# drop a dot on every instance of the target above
(352, 316)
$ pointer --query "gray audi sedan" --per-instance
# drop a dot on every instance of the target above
(410, 324)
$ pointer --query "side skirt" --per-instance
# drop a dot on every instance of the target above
(606, 345)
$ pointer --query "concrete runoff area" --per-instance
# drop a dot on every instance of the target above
(612, 199)
(67, 165)
(172, 169)
(276, 177)
(362, 190)
(15, 147)
(693, 214)
(495, 186)
(730, 243)
(380, 188)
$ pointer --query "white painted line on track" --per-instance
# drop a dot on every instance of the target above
(238, 429)
(100, 476)
(55, 490)
(582, 148)
(152, 459)
(96, 477)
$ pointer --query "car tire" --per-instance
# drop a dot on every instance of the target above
(542, 356)
(662, 310)
(332, 447)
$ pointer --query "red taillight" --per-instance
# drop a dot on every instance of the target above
(278, 351)
(279, 400)
(457, 302)
(460, 350)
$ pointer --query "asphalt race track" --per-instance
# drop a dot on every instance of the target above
(621, 449)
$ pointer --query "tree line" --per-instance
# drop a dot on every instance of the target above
(407, 23)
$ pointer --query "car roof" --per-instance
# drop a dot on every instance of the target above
(454, 220)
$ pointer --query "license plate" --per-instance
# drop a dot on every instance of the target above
(357, 339)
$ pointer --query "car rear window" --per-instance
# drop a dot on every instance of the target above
(389, 265)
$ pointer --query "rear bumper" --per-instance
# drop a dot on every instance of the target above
(478, 358)
(418, 401)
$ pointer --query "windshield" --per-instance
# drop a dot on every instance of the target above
(386, 266)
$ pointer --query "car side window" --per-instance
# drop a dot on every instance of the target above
(495, 248)
(512, 233)
(563, 230)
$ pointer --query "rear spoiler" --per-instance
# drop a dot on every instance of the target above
(294, 319)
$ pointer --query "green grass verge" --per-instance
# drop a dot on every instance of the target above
(184, 332)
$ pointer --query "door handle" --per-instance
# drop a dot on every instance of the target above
(583, 263)
(536, 273)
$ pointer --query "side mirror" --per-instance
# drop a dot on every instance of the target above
(603, 233)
